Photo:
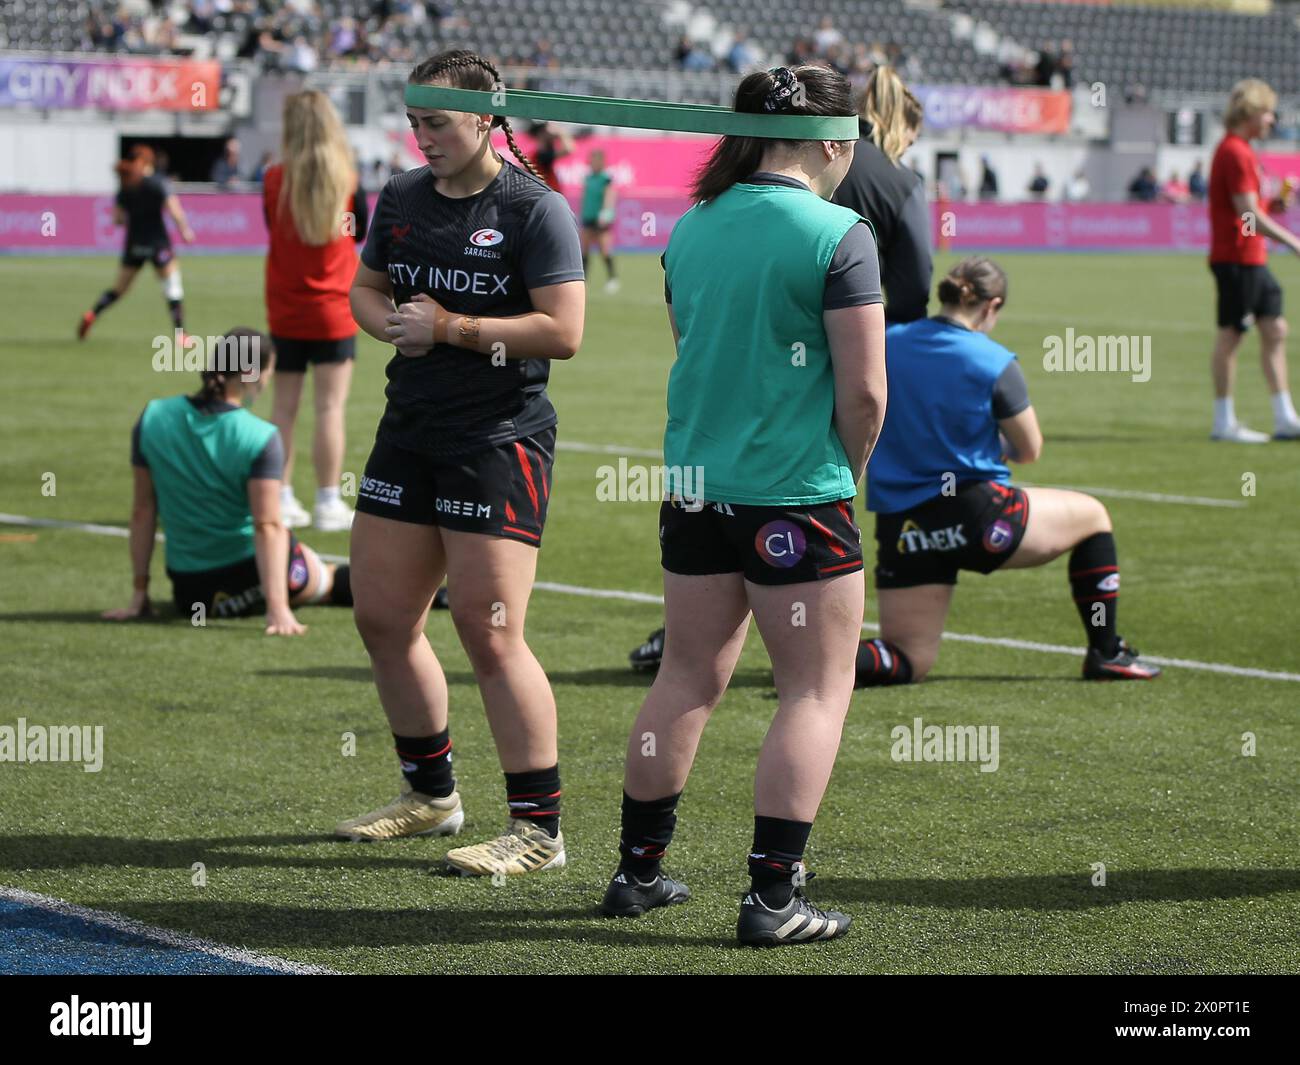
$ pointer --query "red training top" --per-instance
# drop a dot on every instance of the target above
(307, 284)
(1234, 170)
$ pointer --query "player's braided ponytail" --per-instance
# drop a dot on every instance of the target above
(468, 70)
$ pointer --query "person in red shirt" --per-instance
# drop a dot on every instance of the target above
(315, 214)
(1247, 291)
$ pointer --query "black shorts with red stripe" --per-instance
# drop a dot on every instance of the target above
(500, 491)
(769, 545)
(976, 528)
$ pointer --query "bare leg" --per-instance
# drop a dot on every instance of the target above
(813, 667)
(489, 581)
(397, 566)
(912, 619)
(286, 398)
(1272, 352)
(1058, 521)
(706, 618)
(331, 386)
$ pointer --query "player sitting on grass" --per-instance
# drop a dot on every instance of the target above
(939, 486)
(211, 470)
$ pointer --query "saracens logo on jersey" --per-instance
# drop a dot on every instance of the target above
(481, 240)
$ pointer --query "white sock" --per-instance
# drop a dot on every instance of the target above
(1224, 416)
(1283, 413)
(286, 492)
(325, 496)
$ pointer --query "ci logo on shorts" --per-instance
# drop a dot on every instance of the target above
(780, 544)
(998, 537)
(486, 238)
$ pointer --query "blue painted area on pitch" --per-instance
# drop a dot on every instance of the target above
(36, 941)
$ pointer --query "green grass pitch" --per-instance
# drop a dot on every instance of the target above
(225, 747)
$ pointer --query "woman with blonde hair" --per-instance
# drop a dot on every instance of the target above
(315, 214)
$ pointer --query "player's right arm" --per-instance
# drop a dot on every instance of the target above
(1022, 439)
(144, 523)
(119, 215)
(172, 205)
(371, 297)
(857, 341)
(1246, 204)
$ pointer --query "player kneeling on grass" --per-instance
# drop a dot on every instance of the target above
(938, 485)
(211, 470)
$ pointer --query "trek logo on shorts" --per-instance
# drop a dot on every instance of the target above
(1109, 583)
(998, 537)
(780, 544)
(463, 508)
(912, 538)
(380, 491)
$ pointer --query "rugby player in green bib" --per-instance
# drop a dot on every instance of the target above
(775, 400)
(211, 470)
(598, 216)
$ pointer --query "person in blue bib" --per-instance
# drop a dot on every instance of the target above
(211, 470)
(774, 402)
(939, 485)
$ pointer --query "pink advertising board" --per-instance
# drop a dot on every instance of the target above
(232, 222)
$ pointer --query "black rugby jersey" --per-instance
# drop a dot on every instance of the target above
(476, 255)
(143, 204)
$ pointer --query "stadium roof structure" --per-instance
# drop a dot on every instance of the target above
(635, 114)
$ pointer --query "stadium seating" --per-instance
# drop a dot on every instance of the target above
(1160, 48)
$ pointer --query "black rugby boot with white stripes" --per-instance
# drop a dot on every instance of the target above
(649, 654)
(627, 896)
(798, 921)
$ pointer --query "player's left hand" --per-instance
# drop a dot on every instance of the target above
(187, 235)
(413, 326)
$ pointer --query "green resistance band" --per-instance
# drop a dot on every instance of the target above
(637, 114)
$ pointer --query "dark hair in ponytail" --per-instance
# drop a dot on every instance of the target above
(467, 70)
(973, 281)
(825, 92)
(214, 378)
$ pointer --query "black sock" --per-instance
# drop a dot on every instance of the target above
(881, 662)
(778, 845)
(341, 593)
(534, 796)
(1094, 580)
(426, 763)
(647, 831)
(609, 266)
(106, 300)
(177, 313)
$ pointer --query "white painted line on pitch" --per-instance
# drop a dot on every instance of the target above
(1150, 497)
(1117, 493)
(179, 940)
(646, 597)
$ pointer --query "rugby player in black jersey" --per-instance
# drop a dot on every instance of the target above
(473, 271)
(141, 202)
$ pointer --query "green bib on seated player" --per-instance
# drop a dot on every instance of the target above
(751, 396)
(200, 465)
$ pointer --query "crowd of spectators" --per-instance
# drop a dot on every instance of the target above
(739, 54)
(292, 35)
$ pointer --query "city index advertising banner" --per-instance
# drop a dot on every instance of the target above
(1004, 108)
(109, 84)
